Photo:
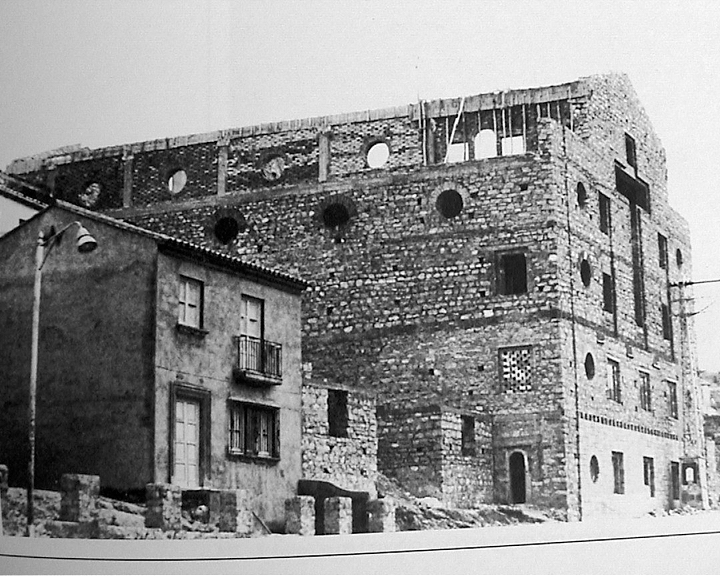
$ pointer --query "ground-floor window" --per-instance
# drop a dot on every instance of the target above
(618, 473)
(675, 480)
(649, 474)
(254, 430)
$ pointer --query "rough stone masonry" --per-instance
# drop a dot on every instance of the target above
(500, 270)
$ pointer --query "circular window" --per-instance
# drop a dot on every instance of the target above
(378, 155)
(226, 229)
(585, 272)
(679, 257)
(449, 203)
(589, 366)
(581, 195)
(594, 469)
(273, 169)
(335, 215)
(177, 181)
(90, 195)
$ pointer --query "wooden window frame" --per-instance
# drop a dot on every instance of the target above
(183, 391)
(183, 302)
(252, 418)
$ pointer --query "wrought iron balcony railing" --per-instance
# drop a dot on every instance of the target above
(258, 361)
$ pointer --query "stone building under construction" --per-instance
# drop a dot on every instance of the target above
(498, 269)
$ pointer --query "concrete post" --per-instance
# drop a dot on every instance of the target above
(164, 506)
(79, 495)
(338, 515)
(381, 515)
(300, 515)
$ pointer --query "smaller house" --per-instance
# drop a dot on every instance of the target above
(159, 361)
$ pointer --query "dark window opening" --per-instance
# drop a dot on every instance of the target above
(585, 272)
(594, 469)
(635, 190)
(630, 151)
(581, 195)
(666, 326)
(649, 474)
(335, 215)
(672, 399)
(589, 366)
(467, 442)
(226, 229)
(613, 383)
(645, 392)
(608, 293)
(679, 258)
(449, 203)
(637, 265)
(338, 413)
(675, 480)
(662, 251)
(512, 274)
(618, 473)
(604, 206)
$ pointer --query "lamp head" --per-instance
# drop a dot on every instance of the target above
(85, 242)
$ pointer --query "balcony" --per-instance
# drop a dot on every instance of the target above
(259, 362)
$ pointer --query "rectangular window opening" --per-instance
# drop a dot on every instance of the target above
(338, 413)
(512, 274)
(458, 152)
(618, 473)
(645, 392)
(468, 436)
(667, 331)
(649, 474)
(254, 430)
(672, 399)
(190, 302)
(662, 251)
(608, 293)
(630, 151)
(613, 381)
(511, 145)
(604, 206)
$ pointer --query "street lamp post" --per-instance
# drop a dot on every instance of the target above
(45, 242)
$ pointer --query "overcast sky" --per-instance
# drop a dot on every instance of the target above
(113, 72)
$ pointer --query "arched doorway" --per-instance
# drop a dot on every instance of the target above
(517, 478)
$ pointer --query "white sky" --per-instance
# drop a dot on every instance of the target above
(112, 72)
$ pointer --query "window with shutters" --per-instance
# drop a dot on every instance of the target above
(190, 303)
(253, 430)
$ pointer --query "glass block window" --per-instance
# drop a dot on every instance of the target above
(516, 366)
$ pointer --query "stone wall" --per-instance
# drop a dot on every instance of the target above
(349, 461)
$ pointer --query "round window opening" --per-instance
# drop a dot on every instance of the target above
(91, 194)
(679, 257)
(378, 155)
(449, 203)
(226, 229)
(594, 469)
(589, 366)
(335, 215)
(581, 195)
(177, 181)
(585, 272)
(273, 169)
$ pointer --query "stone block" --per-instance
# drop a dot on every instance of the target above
(79, 495)
(338, 515)
(300, 515)
(3, 480)
(381, 515)
(223, 509)
(164, 506)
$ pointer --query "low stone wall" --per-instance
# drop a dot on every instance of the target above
(350, 461)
